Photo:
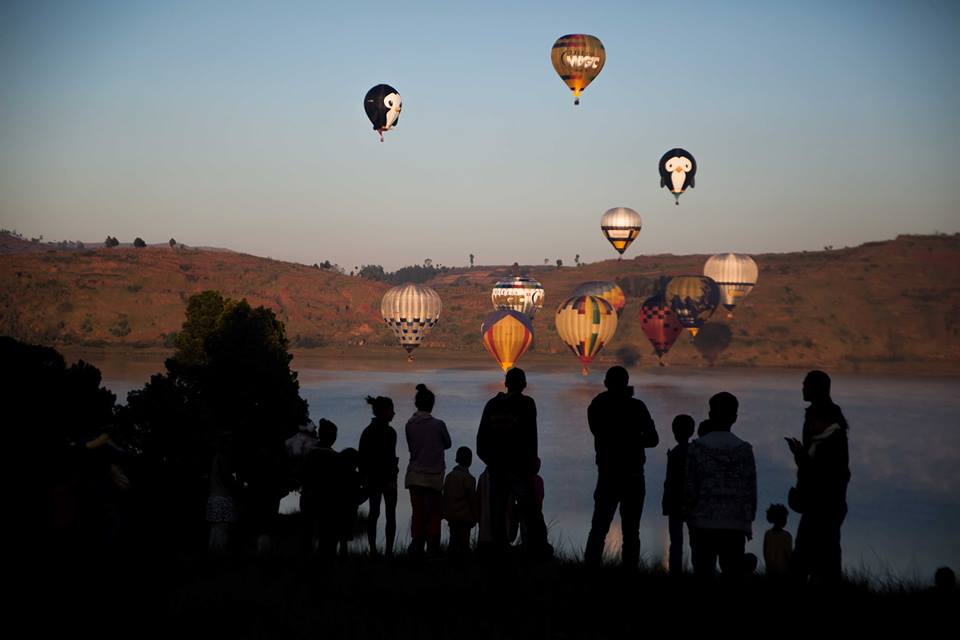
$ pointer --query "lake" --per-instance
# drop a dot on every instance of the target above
(904, 495)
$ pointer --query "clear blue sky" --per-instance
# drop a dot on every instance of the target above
(240, 124)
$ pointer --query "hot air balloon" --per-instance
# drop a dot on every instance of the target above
(506, 334)
(677, 172)
(586, 324)
(382, 104)
(607, 290)
(578, 59)
(659, 324)
(620, 226)
(692, 299)
(520, 293)
(410, 310)
(735, 274)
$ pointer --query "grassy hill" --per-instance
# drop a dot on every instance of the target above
(892, 305)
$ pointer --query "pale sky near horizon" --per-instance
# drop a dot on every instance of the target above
(240, 125)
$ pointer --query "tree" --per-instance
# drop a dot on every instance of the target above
(471, 261)
(428, 263)
(139, 243)
(372, 272)
(110, 242)
(576, 259)
(559, 263)
(546, 261)
(172, 243)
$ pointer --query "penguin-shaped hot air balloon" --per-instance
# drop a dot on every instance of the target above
(382, 104)
(677, 171)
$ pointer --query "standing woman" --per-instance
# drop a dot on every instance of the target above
(379, 468)
(823, 472)
(427, 438)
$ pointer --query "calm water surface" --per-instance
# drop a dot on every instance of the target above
(904, 446)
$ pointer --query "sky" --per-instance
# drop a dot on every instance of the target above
(240, 125)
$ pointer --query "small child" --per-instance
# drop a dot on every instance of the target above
(460, 502)
(777, 543)
(683, 426)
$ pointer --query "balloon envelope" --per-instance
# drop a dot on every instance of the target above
(692, 299)
(735, 274)
(659, 324)
(382, 105)
(506, 335)
(607, 290)
(411, 311)
(521, 294)
(586, 324)
(620, 226)
(578, 59)
(678, 170)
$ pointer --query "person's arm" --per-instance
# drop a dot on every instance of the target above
(650, 438)
(593, 417)
(483, 436)
(691, 483)
(752, 489)
(447, 442)
(532, 445)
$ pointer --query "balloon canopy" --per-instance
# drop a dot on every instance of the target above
(678, 169)
(607, 290)
(411, 311)
(382, 104)
(522, 294)
(735, 274)
(578, 59)
(620, 226)
(692, 299)
(586, 324)
(659, 324)
(507, 335)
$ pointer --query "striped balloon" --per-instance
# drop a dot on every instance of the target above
(620, 226)
(506, 335)
(578, 59)
(693, 299)
(735, 274)
(607, 290)
(410, 310)
(520, 293)
(659, 324)
(586, 324)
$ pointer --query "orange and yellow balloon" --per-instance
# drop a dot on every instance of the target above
(607, 290)
(578, 59)
(586, 324)
(507, 335)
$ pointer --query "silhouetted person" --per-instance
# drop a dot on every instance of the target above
(622, 428)
(351, 494)
(460, 506)
(945, 580)
(777, 542)
(267, 480)
(427, 439)
(322, 493)
(823, 472)
(514, 522)
(683, 426)
(297, 446)
(720, 493)
(222, 509)
(507, 443)
(379, 468)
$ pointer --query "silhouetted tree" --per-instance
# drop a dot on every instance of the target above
(559, 263)
(471, 261)
(428, 263)
(576, 259)
(172, 243)
(372, 272)
(110, 242)
(139, 243)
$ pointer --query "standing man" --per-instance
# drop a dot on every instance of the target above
(823, 472)
(720, 493)
(507, 444)
(622, 428)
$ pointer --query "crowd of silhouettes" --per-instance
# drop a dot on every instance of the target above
(710, 485)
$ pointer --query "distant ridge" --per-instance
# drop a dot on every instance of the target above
(890, 305)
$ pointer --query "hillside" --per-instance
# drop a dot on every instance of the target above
(892, 305)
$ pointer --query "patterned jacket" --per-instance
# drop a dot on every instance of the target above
(720, 487)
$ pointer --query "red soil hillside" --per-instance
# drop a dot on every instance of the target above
(882, 305)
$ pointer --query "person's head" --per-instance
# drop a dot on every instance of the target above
(945, 579)
(326, 433)
(464, 457)
(723, 411)
(350, 458)
(616, 379)
(683, 426)
(816, 386)
(516, 380)
(424, 399)
(382, 407)
(777, 515)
